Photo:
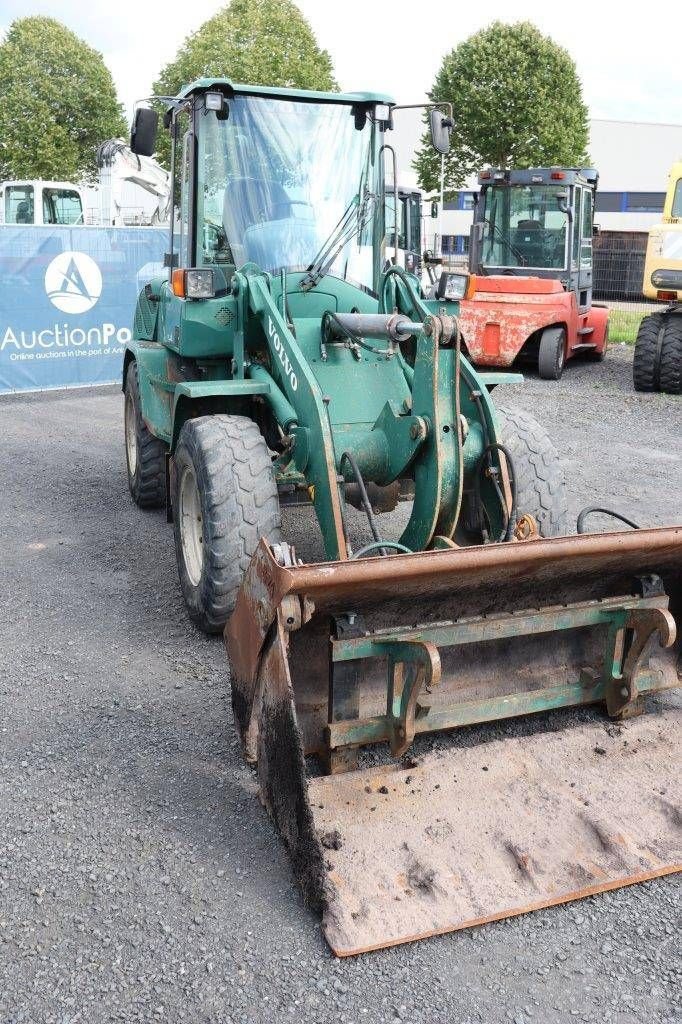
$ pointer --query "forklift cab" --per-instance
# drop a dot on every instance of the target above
(536, 223)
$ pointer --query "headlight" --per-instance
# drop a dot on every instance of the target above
(453, 287)
(199, 284)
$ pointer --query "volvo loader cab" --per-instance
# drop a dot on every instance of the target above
(531, 254)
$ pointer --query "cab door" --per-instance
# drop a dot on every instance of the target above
(585, 252)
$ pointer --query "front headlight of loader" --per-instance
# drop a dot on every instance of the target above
(199, 284)
(193, 284)
(454, 287)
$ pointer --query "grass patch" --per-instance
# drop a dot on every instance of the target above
(624, 324)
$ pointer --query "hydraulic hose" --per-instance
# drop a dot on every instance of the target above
(580, 525)
(508, 530)
(378, 545)
(364, 499)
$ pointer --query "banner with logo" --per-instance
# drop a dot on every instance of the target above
(67, 301)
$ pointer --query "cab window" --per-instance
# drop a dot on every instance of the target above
(677, 200)
(577, 222)
(62, 206)
(19, 204)
(586, 232)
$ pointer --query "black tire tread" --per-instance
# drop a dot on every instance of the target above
(646, 348)
(547, 353)
(670, 370)
(540, 486)
(148, 485)
(234, 471)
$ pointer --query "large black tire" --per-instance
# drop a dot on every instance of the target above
(646, 361)
(552, 353)
(670, 369)
(145, 454)
(540, 487)
(224, 500)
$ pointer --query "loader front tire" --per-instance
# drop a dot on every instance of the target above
(540, 487)
(145, 454)
(224, 497)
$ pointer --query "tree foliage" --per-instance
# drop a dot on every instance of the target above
(58, 102)
(262, 42)
(517, 102)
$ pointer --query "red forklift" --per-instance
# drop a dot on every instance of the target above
(529, 299)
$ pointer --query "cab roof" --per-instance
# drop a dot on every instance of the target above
(237, 88)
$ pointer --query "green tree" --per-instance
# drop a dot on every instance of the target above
(517, 101)
(58, 102)
(262, 42)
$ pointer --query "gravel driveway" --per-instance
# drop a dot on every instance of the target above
(140, 880)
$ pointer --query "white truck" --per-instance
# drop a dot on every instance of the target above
(130, 191)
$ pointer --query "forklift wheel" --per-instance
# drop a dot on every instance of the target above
(145, 454)
(552, 353)
(224, 500)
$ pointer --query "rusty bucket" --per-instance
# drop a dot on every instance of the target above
(332, 660)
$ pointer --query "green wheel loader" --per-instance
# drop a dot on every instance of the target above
(285, 357)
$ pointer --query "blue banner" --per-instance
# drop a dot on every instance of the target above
(67, 301)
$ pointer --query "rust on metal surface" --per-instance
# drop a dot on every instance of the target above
(502, 828)
(496, 326)
(441, 639)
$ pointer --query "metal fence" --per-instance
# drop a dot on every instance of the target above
(618, 274)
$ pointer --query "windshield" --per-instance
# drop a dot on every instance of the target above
(280, 180)
(524, 227)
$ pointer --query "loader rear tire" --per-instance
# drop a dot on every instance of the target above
(145, 454)
(540, 487)
(224, 500)
(646, 361)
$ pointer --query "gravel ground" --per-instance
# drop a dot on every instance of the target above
(140, 880)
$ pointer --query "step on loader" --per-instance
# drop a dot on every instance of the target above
(285, 358)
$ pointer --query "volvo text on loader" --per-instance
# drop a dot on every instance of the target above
(284, 357)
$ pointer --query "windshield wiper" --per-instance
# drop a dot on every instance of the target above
(352, 222)
(519, 255)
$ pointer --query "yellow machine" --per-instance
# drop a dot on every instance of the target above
(658, 352)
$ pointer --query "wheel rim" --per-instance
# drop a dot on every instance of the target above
(131, 434)
(191, 526)
(561, 354)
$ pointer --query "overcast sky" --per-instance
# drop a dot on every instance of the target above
(630, 63)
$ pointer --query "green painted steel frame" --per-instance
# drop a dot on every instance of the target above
(405, 716)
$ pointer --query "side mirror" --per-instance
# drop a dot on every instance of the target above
(440, 125)
(596, 230)
(143, 131)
